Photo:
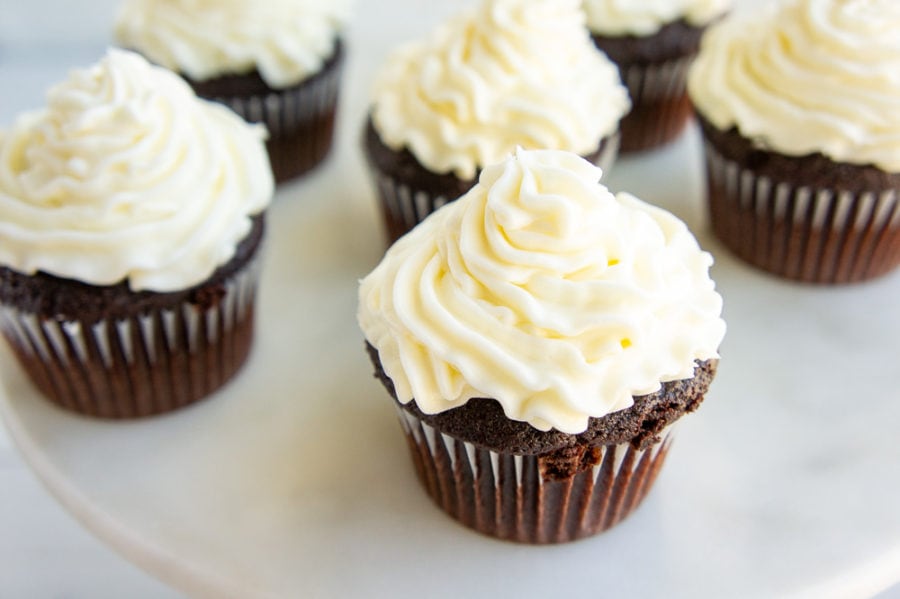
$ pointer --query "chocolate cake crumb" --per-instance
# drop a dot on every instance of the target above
(401, 165)
(815, 170)
(247, 85)
(482, 422)
(49, 296)
(674, 39)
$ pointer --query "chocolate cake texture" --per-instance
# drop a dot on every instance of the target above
(300, 119)
(111, 352)
(805, 218)
(506, 479)
(408, 191)
(654, 68)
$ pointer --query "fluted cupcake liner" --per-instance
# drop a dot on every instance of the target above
(404, 205)
(300, 120)
(803, 233)
(511, 497)
(660, 105)
(139, 365)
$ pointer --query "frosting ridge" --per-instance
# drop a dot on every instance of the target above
(127, 175)
(807, 76)
(285, 40)
(510, 73)
(541, 289)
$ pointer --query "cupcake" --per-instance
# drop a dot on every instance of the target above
(653, 43)
(508, 73)
(540, 336)
(277, 63)
(131, 221)
(799, 105)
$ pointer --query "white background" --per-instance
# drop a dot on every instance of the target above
(43, 551)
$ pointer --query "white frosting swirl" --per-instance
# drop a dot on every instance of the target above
(285, 40)
(127, 175)
(542, 290)
(807, 76)
(512, 73)
(646, 17)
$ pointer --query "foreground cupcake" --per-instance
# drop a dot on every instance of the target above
(540, 336)
(131, 218)
(511, 73)
(800, 110)
(275, 62)
(653, 42)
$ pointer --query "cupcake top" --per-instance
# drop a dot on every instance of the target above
(541, 289)
(284, 40)
(509, 73)
(807, 76)
(126, 175)
(646, 17)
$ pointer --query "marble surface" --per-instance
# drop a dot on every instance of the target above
(784, 484)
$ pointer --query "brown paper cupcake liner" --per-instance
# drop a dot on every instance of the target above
(140, 365)
(404, 206)
(803, 233)
(660, 105)
(300, 120)
(511, 497)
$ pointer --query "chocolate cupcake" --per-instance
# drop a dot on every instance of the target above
(540, 337)
(131, 222)
(278, 64)
(653, 43)
(509, 73)
(803, 164)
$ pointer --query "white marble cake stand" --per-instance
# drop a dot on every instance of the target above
(294, 481)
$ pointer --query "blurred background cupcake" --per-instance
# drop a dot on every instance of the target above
(131, 220)
(539, 337)
(800, 109)
(276, 62)
(508, 73)
(653, 42)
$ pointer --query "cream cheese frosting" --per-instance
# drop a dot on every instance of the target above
(509, 73)
(286, 41)
(646, 17)
(126, 175)
(541, 289)
(807, 76)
